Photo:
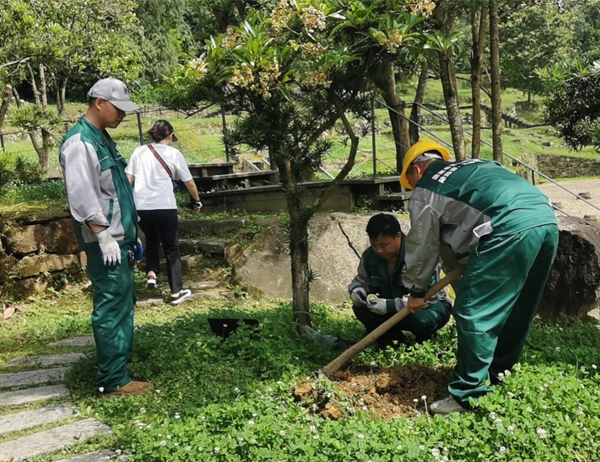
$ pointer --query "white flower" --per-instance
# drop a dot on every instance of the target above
(507, 373)
(203, 418)
(148, 427)
(435, 453)
(511, 429)
(582, 385)
(365, 408)
(162, 444)
(510, 394)
(594, 366)
(422, 448)
(312, 428)
(424, 398)
(175, 444)
(416, 400)
(118, 451)
(188, 448)
(237, 390)
(169, 437)
(541, 433)
(282, 433)
(361, 436)
(177, 416)
(158, 391)
(101, 389)
(142, 410)
(492, 415)
(557, 348)
(251, 423)
(529, 409)
(216, 450)
(240, 439)
(200, 448)
(502, 449)
(398, 448)
(316, 437)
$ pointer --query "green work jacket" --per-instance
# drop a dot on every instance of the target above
(97, 187)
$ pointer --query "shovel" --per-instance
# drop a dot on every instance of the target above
(383, 328)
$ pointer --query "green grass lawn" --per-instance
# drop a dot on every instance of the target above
(232, 400)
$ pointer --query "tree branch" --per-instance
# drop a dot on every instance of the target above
(12, 63)
(351, 158)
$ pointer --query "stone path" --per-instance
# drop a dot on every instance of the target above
(31, 395)
(60, 436)
(47, 360)
(573, 206)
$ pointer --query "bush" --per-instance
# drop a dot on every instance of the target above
(28, 172)
(7, 174)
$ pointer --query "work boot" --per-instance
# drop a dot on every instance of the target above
(446, 406)
(133, 388)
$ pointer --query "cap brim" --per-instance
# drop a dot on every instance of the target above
(126, 106)
(404, 180)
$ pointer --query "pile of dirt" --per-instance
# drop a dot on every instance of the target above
(385, 392)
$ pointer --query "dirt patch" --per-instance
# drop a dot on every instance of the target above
(385, 392)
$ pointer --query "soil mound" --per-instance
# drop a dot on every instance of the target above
(385, 393)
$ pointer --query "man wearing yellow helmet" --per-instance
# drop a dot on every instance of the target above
(506, 231)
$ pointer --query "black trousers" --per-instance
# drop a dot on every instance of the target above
(161, 227)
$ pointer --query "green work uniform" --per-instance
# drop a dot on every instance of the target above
(99, 193)
(507, 230)
(374, 277)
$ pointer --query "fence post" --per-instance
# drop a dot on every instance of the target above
(533, 177)
(2, 142)
(374, 136)
(140, 129)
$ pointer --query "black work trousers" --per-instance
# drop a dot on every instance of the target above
(161, 227)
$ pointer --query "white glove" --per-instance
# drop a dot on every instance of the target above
(111, 252)
(378, 307)
(359, 296)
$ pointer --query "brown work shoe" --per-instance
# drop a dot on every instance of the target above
(131, 389)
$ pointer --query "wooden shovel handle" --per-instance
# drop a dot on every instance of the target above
(383, 328)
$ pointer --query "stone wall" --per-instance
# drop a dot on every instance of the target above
(566, 166)
(38, 252)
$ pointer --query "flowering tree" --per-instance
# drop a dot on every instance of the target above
(296, 69)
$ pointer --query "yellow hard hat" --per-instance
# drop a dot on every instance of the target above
(415, 151)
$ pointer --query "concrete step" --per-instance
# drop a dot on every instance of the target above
(75, 341)
(33, 418)
(20, 379)
(98, 456)
(45, 360)
(213, 246)
(51, 440)
(31, 395)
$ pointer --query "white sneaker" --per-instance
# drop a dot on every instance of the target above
(446, 406)
(183, 294)
(151, 283)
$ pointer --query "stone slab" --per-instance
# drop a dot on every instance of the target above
(213, 246)
(75, 341)
(228, 226)
(148, 302)
(45, 360)
(20, 379)
(97, 456)
(42, 416)
(31, 395)
(202, 285)
(51, 440)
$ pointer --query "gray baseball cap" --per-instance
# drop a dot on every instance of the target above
(115, 92)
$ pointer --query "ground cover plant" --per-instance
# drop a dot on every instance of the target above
(233, 400)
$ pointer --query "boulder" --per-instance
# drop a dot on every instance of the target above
(24, 240)
(7, 264)
(264, 267)
(573, 286)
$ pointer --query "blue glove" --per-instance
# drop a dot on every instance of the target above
(138, 251)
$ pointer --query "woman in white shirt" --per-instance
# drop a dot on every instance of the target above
(152, 171)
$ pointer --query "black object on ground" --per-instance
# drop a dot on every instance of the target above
(224, 327)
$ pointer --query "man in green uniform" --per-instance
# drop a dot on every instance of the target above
(380, 273)
(507, 230)
(105, 223)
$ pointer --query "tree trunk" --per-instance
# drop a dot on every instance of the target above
(6, 95)
(36, 93)
(448, 77)
(415, 114)
(31, 134)
(63, 95)
(386, 82)
(298, 234)
(478, 35)
(46, 135)
(495, 69)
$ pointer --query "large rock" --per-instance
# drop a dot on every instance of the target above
(573, 287)
(37, 264)
(26, 239)
(265, 264)
(60, 238)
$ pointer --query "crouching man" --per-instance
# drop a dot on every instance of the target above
(380, 273)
